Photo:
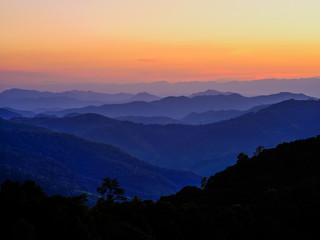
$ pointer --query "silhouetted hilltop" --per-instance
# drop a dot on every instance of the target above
(273, 195)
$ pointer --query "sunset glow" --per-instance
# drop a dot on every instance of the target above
(177, 40)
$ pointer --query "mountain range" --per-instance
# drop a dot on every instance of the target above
(209, 92)
(40, 101)
(204, 149)
(178, 107)
(66, 164)
(216, 116)
(308, 86)
(7, 113)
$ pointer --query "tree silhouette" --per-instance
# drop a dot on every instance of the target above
(203, 182)
(242, 157)
(259, 149)
(111, 190)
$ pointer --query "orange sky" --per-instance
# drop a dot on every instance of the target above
(144, 41)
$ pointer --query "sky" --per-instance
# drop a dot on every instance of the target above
(126, 41)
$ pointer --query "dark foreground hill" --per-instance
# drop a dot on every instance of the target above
(63, 163)
(203, 149)
(274, 195)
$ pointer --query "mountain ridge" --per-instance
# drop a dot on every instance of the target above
(200, 148)
(88, 161)
(178, 107)
(35, 100)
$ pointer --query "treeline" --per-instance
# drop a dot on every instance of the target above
(273, 195)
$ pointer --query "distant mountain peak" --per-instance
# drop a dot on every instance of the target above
(210, 92)
(144, 96)
(17, 91)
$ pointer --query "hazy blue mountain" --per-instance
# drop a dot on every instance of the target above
(144, 96)
(74, 165)
(21, 112)
(178, 107)
(216, 116)
(203, 148)
(210, 116)
(41, 104)
(308, 86)
(42, 115)
(192, 118)
(109, 98)
(220, 143)
(149, 120)
(16, 93)
(7, 114)
(97, 96)
(72, 114)
(36, 100)
(209, 92)
(143, 141)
